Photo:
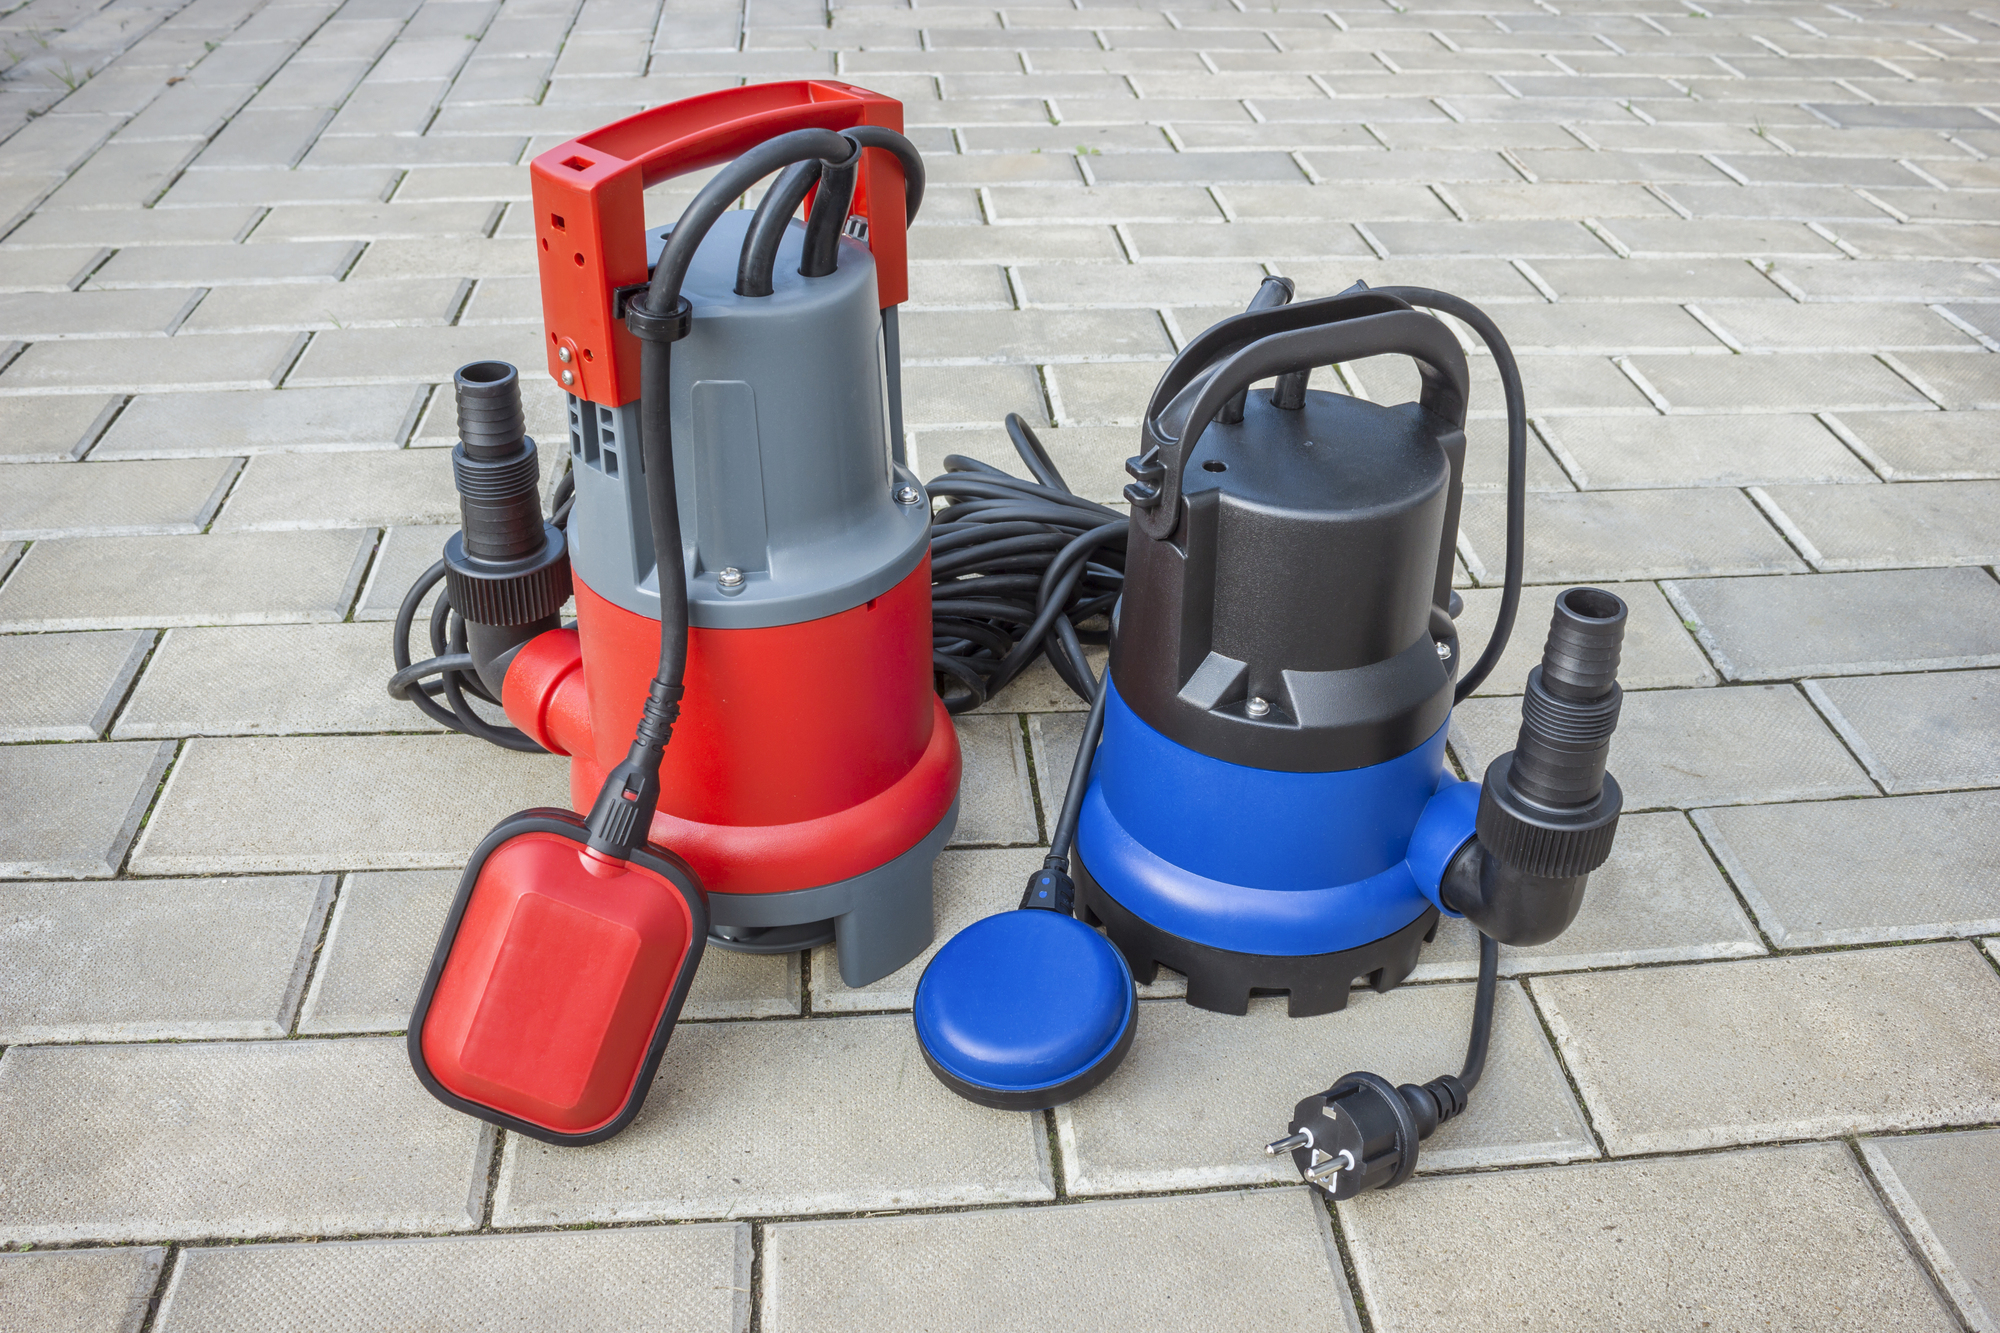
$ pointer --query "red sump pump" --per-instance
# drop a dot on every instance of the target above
(734, 418)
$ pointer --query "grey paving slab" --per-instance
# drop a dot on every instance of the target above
(1624, 535)
(1766, 326)
(402, 355)
(226, 265)
(1919, 732)
(1845, 624)
(43, 316)
(148, 960)
(114, 499)
(1659, 899)
(269, 680)
(391, 303)
(237, 806)
(76, 807)
(1811, 1046)
(194, 424)
(131, 365)
(995, 804)
(65, 687)
(230, 1139)
(1681, 748)
(225, 578)
(1657, 654)
(692, 1279)
(1937, 1185)
(344, 490)
(1863, 527)
(1789, 382)
(1201, 1093)
(1924, 446)
(1782, 1238)
(1233, 1261)
(966, 885)
(1864, 872)
(1634, 452)
(1873, 279)
(85, 1291)
(405, 553)
(1960, 381)
(52, 430)
(384, 928)
(1612, 279)
(868, 1127)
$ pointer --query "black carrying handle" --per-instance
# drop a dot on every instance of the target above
(1242, 349)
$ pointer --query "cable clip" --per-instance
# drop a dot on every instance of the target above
(630, 304)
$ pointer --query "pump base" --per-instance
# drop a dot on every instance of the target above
(1222, 980)
(877, 920)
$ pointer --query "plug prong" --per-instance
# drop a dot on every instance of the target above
(1289, 1143)
(1330, 1168)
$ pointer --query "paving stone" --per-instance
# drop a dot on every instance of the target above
(1845, 624)
(65, 687)
(145, 961)
(76, 807)
(1233, 1261)
(405, 554)
(1922, 446)
(1812, 1046)
(182, 425)
(250, 578)
(230, 1139)
(1871, 280)
(400, 355)
(1923, 523)
(49, 270)
(1604, 326)
(269, 680)
(681, 1279)
(1765, 326)
(374, 221)
(141, 365)
(1681, 748)
(393, 303)
(869, 1127)
(1862, 872)
(87, 1291)
(344, 490)
(385, 927)
(1611, 279)
(994, 803)
(1038, 335)
(1932, 1181)
(225, 265)
(966, 887)
(1822, 381)
(44, 316)
(1151, 284)
(1713, 237)
(52, 430)
(1772, 1238)
(1657, 652)
(1201, 1093)
(114, 499)
(1631, 452)
(1659, 899)
(336, 186)
(1622, 535)
(1960, 381)
(1919, 732)
(247, 805)
(1102, 393)
(136, 227)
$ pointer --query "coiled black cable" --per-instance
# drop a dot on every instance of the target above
(1018, 568)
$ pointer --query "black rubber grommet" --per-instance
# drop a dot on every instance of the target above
(660, 328)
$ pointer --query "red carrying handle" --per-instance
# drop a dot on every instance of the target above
(590, 219)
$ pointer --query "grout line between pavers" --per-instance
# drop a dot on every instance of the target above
(163, 1283)
(1907, 1218)
(1849, 737)
(309, 971)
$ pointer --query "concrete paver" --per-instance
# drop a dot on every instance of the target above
(76, 808)
(88, 1291)
(1919, 732)
(66, 687)
(115, 499)
(187, 425)
(1644, 1244)
(1678, 1058)
(230, 1139)
(1171, 1262)
(1622, 535)
(1958, 1230)
(867, 1127)
(1861, 872)
(680, 1279)
(1870, 527)
(146, 960)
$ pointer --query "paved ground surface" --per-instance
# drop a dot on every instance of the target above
(1750, 256)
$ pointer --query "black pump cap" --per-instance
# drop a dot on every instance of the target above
(490, 421)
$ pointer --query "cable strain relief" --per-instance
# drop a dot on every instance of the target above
(667, 328)
(1050, 890)
(656, 719)
(1450, 1095)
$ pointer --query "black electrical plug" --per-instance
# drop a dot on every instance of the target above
(1361, 1134)
(1051, 887)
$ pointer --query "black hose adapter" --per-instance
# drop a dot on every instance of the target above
(506, 570)
(1547, 809)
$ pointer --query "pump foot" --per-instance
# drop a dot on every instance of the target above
(1223, 981)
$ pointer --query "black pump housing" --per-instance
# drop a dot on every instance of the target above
(1292, 617)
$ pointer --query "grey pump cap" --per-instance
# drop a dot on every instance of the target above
(782, 450)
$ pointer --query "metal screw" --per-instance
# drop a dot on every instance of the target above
(1444, 652)
(562, 355)
(1257, 707)
(907, 494)
(567, 379)
(730, 579)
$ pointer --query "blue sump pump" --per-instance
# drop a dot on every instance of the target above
(1261, 800)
